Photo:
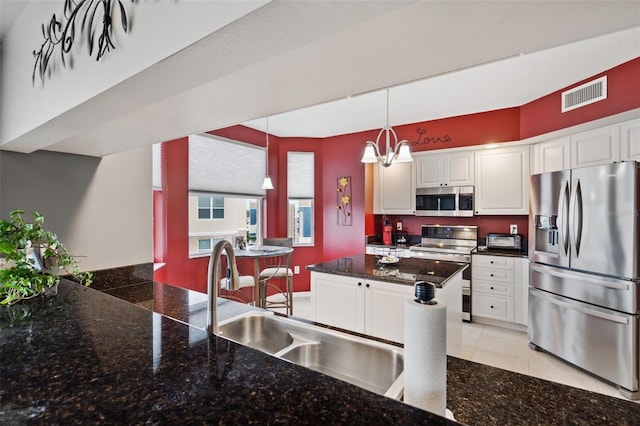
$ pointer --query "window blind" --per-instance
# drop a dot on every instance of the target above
(225, 167)
(300, 174)
(156, 168)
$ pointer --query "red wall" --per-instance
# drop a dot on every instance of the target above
(340, 156)
(302, 256)
(544, 115)
(342, 159)
(501, 125)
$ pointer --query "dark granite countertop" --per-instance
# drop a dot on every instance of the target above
(84, 356)
(406, 271)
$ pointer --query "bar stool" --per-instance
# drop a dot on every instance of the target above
(277, 268)
(238, 295)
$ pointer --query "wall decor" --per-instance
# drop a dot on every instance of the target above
(94, 18)
(423, 139)
(343, 197)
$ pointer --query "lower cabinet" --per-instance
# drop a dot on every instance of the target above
(376, 308)
(499, 288)
(367, 306)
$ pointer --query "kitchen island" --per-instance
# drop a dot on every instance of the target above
(364, 294)
(87, 357)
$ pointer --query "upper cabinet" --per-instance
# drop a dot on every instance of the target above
(502, 181)
(551, 156)
(394, 189)
(630, 140)
(619, 142)
(451, 169)
(599, 146)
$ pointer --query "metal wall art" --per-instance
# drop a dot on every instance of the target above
(344, 201)
(95, 19)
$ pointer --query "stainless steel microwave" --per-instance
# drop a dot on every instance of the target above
(445, 201)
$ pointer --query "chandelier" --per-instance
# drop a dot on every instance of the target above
(399, 154)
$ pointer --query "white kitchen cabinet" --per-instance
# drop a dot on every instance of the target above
(366, 306)
(599, 146)
(502, 181)
(384, 305)
(499, 287)
(552, 155)
(394, 189)
(338, 300)
(451, 169)
(630, 140)
(376, 308)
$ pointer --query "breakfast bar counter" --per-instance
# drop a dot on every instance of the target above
(405, 271)
(86, 357)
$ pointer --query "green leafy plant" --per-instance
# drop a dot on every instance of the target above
(30, 254)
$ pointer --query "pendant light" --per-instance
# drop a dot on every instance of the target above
(399, 154)
(267, 184)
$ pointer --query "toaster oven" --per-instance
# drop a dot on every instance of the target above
(504, 241)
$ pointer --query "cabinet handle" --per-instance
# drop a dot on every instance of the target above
(491, 262)
(491, 306)
(491, 274)
(491, 287)
(367, 286)
(359, 284)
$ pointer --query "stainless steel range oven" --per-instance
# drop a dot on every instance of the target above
(452, 243)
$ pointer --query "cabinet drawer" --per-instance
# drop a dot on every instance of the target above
(493, 262)
(495, 275)
(490, 306)
(500, 289)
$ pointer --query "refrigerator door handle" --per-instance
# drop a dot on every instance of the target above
(609, 317)
(575, 214)
(591, 280)
(563, 218)
(578, 240)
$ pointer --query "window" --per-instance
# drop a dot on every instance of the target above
(300, 192)
(225, 194)
(241, 217)
(210, 208)
(204, 245)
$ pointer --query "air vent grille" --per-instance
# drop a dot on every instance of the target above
(588, 93)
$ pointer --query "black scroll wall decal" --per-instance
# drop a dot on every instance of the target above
(423, 139)
(93, 19)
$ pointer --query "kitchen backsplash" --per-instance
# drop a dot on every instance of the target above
(411, 225)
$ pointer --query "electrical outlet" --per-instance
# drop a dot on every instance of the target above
(399, 226)
(513, 229)
(296, 269)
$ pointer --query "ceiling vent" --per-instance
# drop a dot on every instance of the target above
(588, 93)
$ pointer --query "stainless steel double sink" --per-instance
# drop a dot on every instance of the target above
(368, 364)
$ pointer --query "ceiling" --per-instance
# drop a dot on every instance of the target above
(440, 58)
(501, 84)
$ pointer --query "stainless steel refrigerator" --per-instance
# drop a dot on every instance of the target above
(583, 277)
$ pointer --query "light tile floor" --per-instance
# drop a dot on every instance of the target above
(503, 348)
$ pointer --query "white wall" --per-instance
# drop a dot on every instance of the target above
(101, 208)
(159, 29)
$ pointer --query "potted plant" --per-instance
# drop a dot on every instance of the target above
(30, 256)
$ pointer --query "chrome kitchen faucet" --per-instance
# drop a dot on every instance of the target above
(212, 283)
